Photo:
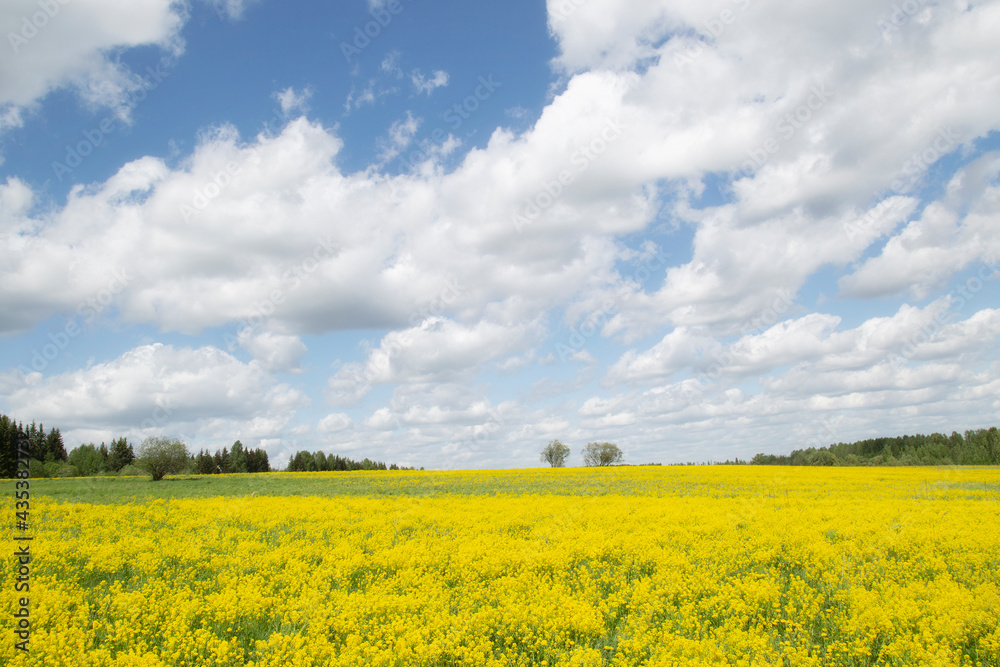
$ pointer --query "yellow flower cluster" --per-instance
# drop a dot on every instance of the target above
(678, 566)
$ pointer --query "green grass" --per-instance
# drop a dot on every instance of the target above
(717, 481)
(600, 481)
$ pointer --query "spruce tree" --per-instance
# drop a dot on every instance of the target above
(8, 447)
(54, 446)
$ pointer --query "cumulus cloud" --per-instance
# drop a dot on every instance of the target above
(811, 124)
(72, 49)
(437, 350)
(228, 261)
(15, 202)
(950, 235)
(450, 422)
(275, 352)
(813, 343)
(155, 389)
(334, 422)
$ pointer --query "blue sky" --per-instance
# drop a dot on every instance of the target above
(698, 230)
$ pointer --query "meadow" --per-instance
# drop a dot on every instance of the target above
(699, 565)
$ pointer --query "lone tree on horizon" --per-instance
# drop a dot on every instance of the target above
(162, 456)
(602, 454)
(555, 454)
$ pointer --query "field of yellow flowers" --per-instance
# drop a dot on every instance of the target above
(719, 565)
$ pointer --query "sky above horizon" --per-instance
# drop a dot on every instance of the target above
(444, 234)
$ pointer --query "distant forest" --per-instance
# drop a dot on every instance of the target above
(46, 450)
(981, 447)
(306, 462)
(49, 457)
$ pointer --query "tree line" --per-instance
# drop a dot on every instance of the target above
(46, 450)
(225, 461)
(320, 461)
(157, 456)
(978, 447)
(90, 460)
(48, 457)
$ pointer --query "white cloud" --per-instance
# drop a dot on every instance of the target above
(517, 113)
(369, 94)
(390, 65)
(811, 343)
(401, 134)
(515, 363)
(72, 49)
(427, 85)
(797, 105)
(155, 389)
(334, 422)
(677, 350)
(356, 99)
(947, 238)
(810, 121)
(228, 258)
(292, 100)
(275, 352)
(451, 422)
(10, 118)
(437, 350)
(15, 202)
(230, 9)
